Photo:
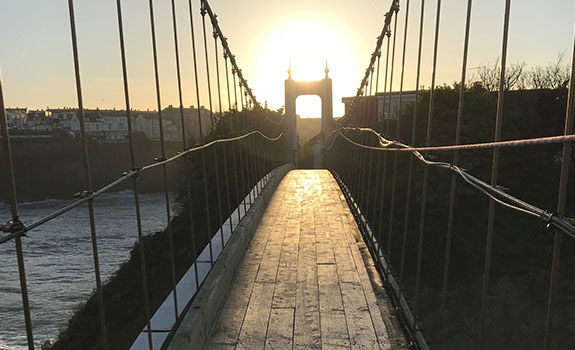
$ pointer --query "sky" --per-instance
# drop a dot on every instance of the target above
(265, 35)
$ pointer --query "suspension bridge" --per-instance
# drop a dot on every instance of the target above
(360, 254)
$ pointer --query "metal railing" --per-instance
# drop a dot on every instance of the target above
(222, 176)
(380, 191)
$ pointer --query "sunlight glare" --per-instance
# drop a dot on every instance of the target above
(306, 44)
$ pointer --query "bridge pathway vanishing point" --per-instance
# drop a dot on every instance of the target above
(307, 279)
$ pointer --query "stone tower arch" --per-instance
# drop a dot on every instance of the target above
(294, 89)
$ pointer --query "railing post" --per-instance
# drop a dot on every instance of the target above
(410, 171)
(397, 136)
(452, 194)
(15, 218)
(427, 143)
(163, 157)
(141, 248)
(562, 200)
(494, 176)
(88, 177)
(215, 146)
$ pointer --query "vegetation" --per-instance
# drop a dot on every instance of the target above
(522, 245)
(554, 75)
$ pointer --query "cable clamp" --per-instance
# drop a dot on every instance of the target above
(12, 226)
(160, 159)
(203, 10)
(82, 194)
(135, 171)
(548, 217)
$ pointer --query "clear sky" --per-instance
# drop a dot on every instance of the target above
(265, 35)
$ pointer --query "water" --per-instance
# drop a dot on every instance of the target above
(59, 262)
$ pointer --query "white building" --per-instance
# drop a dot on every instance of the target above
(105, 126)
(384, 102)
(149, 124)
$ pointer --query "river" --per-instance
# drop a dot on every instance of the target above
(59, 262)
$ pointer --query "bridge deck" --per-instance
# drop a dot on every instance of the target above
(306, 280)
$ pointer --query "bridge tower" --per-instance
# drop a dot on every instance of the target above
(294, 89)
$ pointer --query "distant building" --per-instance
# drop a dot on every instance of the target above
(191, 120)
(384, 100)
(111, 126)
(16, 117)
(38, 120)
(149, 124)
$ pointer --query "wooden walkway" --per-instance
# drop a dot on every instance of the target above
(307, 281)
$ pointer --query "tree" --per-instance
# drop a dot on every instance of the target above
(554, 75)
(489, 75)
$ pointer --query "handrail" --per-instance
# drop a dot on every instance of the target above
(20, 230)
(505, 199)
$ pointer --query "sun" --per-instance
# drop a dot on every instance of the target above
(305, 44)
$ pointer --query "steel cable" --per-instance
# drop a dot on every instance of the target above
(141, 250)
(561, 223)
(125, 177)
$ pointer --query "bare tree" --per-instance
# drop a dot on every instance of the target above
(489, 75)
(537, 78)
(554, 75)
(514, 76)
(558, 73)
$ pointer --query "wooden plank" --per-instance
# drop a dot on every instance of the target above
(254, 328)
(360, 327)
(221, 347)
(325, 253)
(334, 333)
(370, 297)
(272, 252)
(286, 288)
(227, 328)
(280, 329)
(306, 325)
(329, 292)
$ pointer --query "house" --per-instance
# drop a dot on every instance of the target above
(38, 120)
(16, 117)
(191, 120)
(106, 126)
